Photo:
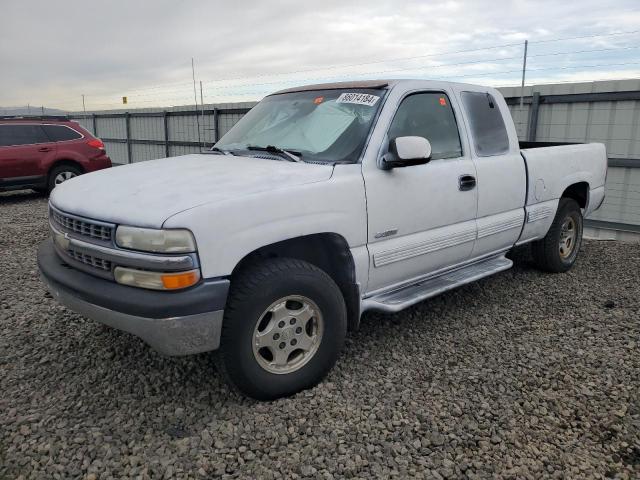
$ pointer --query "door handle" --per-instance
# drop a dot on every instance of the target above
(466, 182)
(44, 149)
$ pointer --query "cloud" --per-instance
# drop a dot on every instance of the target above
(53, 52)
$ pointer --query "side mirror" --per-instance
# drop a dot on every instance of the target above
(406, 151)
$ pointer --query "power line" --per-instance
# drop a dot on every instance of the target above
(488, 60)
(503, 72)
(334, 67)
(631, 32)
(584, 51)
(416, 68)
(399, 59)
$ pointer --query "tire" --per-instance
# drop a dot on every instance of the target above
(266, 297)
(549, 254)
(61, 174)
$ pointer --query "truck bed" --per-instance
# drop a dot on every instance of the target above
(529, 145)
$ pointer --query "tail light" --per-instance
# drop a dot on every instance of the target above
(96, 143)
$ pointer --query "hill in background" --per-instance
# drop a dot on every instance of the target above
(30, 111)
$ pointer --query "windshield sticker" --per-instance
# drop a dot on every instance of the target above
(358, 98)
(443, 102)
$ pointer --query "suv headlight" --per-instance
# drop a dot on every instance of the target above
(156, 241)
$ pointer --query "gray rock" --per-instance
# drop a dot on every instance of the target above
(521, 375)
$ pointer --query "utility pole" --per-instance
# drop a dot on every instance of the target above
(195, 97)
(42, 107)
(204, 140)
(83, 107)
(524, 71)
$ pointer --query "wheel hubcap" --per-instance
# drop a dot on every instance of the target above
(568, 236)
(287, 334)
(63, 177)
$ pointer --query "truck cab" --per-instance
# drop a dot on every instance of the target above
(323, 202)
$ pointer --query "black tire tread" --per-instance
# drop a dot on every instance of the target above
(244, 284)
(544, 251)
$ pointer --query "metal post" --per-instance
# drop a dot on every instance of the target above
(204, 140)
(195, 96)
(524, 71)
(83, 107)
(216, 123)
(165, 120)
(533, 117)
(127, 117)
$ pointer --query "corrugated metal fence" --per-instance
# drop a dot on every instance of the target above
(607, 112)
(147, 134)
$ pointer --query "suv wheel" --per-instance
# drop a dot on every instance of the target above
(61, 174)
(284, 326)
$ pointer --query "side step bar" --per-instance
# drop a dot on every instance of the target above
(404, 297)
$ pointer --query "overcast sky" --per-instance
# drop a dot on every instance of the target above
(52, 52)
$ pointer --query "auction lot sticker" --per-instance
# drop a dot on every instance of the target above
(358, 98)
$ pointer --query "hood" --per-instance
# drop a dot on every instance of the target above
(145, 194)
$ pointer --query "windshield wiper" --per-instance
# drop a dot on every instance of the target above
(291, 155)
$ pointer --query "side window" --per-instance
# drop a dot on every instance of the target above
(60, 133)
(21, 135)
(486, 123)
(428, 115)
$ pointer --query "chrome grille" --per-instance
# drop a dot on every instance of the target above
(82, 227)
(89, 260)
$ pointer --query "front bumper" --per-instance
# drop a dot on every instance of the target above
(173, 323)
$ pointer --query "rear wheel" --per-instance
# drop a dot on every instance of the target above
(284, 326)
(61, 174)
(558, 250)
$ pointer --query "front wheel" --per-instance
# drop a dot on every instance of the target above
(283, 329)
(558, 250)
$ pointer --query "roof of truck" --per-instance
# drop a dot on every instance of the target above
(359, 84)
(340, 85)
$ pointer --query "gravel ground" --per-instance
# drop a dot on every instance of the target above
(522, 375)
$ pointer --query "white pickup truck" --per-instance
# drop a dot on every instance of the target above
(321, 203)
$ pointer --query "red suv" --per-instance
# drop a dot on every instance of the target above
(42, 152)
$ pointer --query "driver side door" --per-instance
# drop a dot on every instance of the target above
(421, 218)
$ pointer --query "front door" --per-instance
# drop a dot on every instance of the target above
(421, 218)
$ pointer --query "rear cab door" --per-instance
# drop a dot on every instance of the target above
(25, 150)
(501, 170)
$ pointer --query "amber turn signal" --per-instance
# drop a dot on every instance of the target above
(174, 281)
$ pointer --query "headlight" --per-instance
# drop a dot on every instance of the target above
(156, 280)
(159, 241)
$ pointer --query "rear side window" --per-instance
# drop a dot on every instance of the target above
(428, 115)
(60, 133)
(22, 135)
(487, 126)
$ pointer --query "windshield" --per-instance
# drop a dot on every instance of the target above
(319, 125)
